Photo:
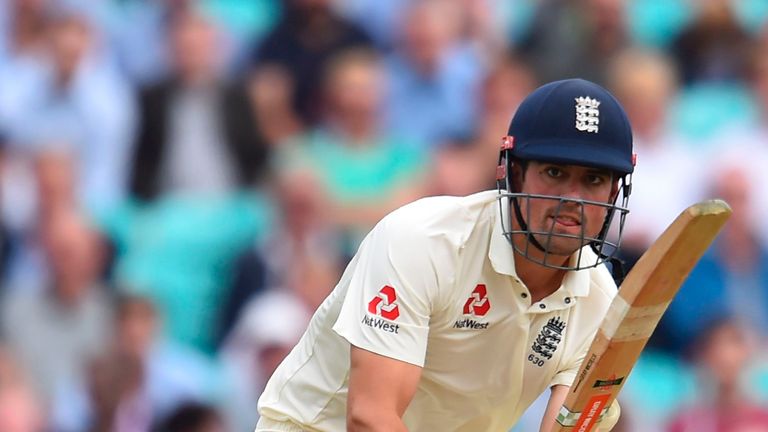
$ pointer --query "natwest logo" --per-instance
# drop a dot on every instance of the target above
(384, 304)
(477, 304)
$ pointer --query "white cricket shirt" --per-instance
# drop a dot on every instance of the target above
(434, 285)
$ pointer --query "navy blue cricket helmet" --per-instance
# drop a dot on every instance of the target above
(574, 122)
(569, 122)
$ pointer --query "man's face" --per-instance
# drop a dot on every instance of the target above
(569, 218)
(194, 42)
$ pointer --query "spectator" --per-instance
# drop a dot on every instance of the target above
(52, 190)
(270, 324)
(302, 230)
(57, 96)
(53, 331)
(724, 351)
(757, 136)
(645, 83)
(506, 85)
(714, 46)
(746, 143)
(196, 133)
(731, 279)
(151, 378)
(54, 176)
(23, 24)
(269, 327)
(459, 168)
(197, 159)
(460, 164)
(306, 37)
(362, 170)
(575, 38)
(138, 30)
(71, 95)
(435, 77)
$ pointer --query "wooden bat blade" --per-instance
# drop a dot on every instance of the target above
(635, 312)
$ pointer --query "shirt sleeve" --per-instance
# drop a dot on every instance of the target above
(391, 288)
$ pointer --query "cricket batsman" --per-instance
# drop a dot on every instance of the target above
(456, 313)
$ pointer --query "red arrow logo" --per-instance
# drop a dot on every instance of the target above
(477, 304)
(384, 304)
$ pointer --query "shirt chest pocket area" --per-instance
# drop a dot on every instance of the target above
(479, 356)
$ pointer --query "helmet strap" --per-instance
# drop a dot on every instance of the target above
(506, 161)
(524, 226)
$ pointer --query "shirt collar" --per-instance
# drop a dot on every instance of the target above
(500, 253)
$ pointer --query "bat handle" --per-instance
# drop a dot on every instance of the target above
(567, 420)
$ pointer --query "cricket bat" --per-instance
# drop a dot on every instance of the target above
(635, 312)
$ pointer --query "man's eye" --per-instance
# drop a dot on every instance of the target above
(595, 180)
(554, 172)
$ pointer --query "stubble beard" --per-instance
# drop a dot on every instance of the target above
(559, 246)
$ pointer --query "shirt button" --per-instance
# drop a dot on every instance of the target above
(543, 306)
(524, 295)
(567, 300)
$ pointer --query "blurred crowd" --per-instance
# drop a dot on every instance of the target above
(182, 183)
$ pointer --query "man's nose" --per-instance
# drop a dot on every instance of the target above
(573, 188)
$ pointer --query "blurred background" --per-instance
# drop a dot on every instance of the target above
(182, 183)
